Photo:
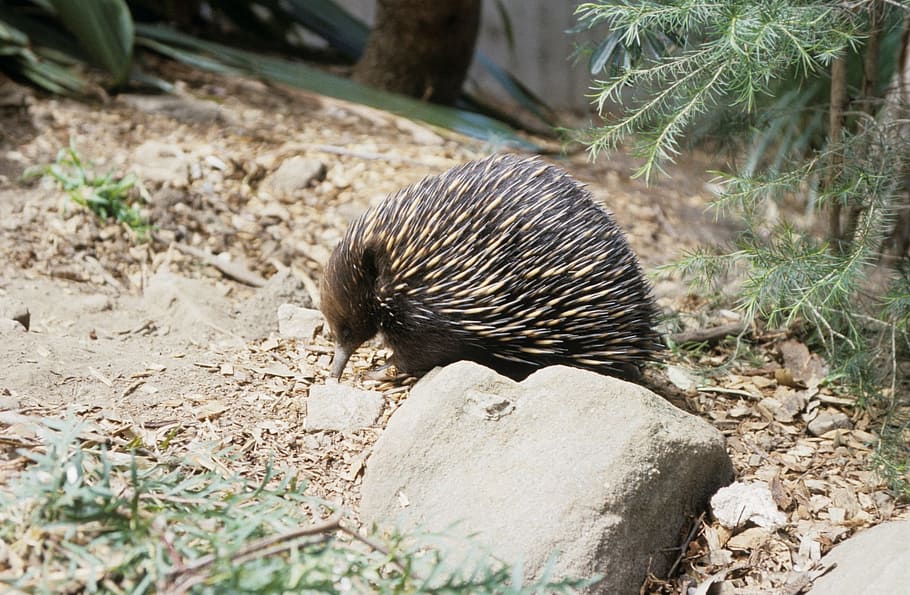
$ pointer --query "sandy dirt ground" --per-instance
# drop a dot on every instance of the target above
(175, 340)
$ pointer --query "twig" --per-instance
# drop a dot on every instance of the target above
(366, 155)
(129, 390)
(725, 391)
(685, 545)
(711, 334)
(838, 95)
(231, 270)
(148, 325)
(184, 578)
(375, 545)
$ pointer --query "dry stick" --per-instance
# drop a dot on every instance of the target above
(192, 573)
(711, 334)
(724, 391)
(229, 269)
(685, 545)
(274, 545)
(870, 70)
(835, 133)
(375, 545)
(366, 155)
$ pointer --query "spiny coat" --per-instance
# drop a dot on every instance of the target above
(506, 261)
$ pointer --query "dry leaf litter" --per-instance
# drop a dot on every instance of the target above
(226, 209)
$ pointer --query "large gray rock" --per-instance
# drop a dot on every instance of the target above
(601, 471)
(872, 562)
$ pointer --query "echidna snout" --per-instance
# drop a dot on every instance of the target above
(506, 261)
(345, 302)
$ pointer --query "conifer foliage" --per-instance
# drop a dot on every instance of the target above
(815, 93)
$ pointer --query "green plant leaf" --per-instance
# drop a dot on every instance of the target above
(343, 31)
(604, 52)
(188, 48)
(105, 30)
(348, 34)
(516, 89)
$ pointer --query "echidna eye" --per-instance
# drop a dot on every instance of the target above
(345, 333)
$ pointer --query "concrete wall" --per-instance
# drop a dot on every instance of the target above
(542, 55)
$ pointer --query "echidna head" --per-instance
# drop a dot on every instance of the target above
(348, 301)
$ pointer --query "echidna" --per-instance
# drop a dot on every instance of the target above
(505, 261)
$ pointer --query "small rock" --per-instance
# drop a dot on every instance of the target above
(682, 378)
(8, 401)
(11, 326)
(829, 420)
(295, 322)
(255, 317)
(96, 303)
(185, 108)
(158, 161)
(739, 503)
(293, 175)
(750, 539)
(13, 309)
(343, 408)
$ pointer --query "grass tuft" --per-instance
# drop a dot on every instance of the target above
(108, 196)
(80, 517)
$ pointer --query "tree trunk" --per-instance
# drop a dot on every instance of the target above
(897, 109)
(836, 119)
(419, 48)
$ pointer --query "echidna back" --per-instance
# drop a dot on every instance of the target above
(509, 262)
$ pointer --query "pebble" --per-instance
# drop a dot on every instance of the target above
(295, 322)
(7, 325)
(158, 161)
(15, 310)
(827, 421)
(343, 408)
(739, 503)
(294, 175)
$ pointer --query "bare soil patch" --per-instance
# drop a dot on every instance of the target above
(150, 341)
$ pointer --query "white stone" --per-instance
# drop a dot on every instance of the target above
(741, 503)
(295, 322)
(16, 310)
(343, 408)
(294, 175)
